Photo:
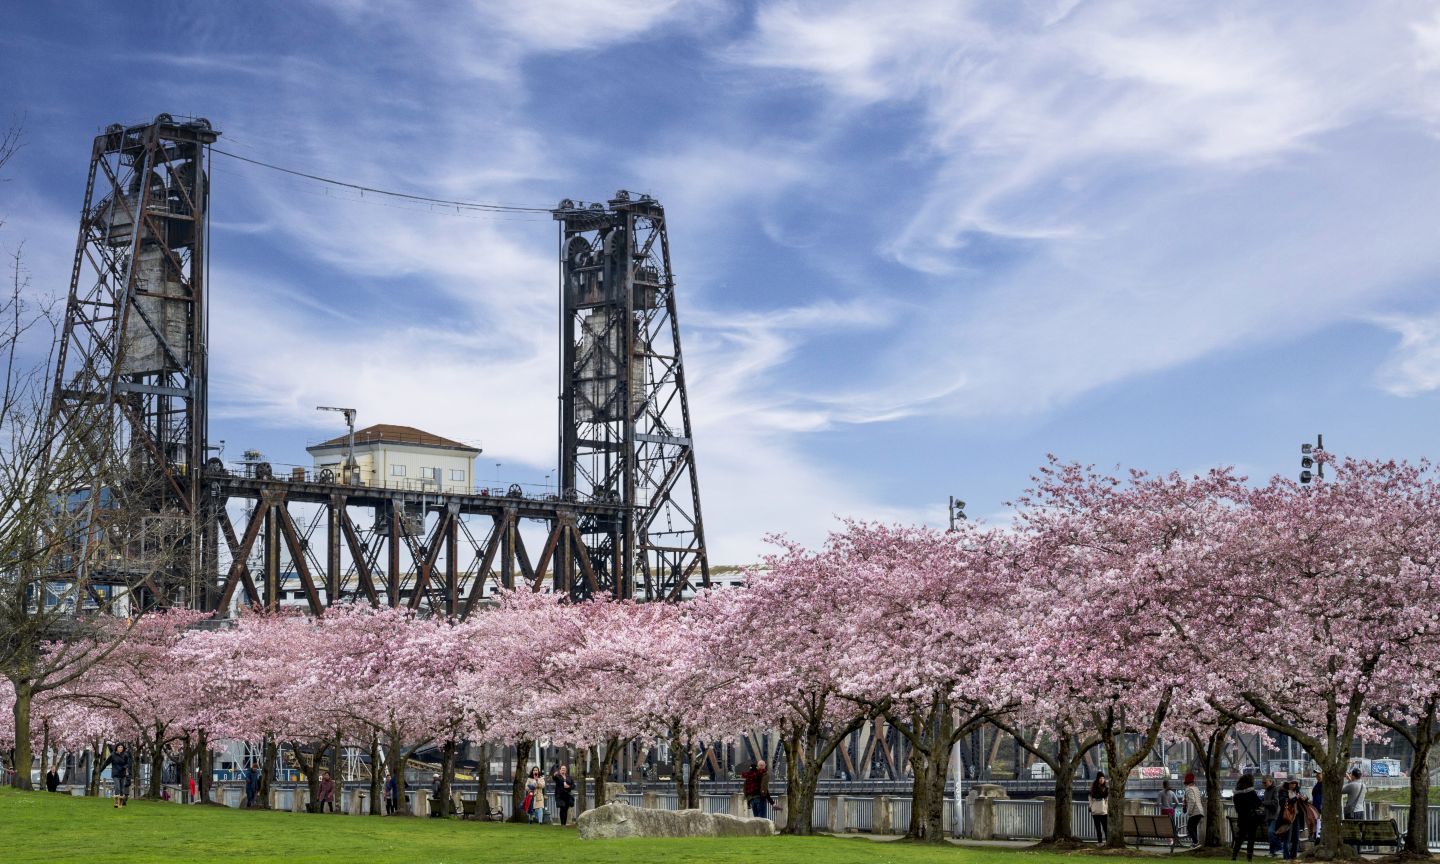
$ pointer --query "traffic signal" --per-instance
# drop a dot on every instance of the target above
(1306, 463)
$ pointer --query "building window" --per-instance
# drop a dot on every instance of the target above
(397, 470)
(457, 474)
(429, 473)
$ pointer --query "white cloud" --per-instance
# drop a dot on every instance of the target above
(1165, 183)
(1414, 366)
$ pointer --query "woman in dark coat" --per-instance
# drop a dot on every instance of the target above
(119, 765)
(1248, 812)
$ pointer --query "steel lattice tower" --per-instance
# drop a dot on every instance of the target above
(134, 341)
(625, 433)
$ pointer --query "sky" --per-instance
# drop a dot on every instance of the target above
(918, 245)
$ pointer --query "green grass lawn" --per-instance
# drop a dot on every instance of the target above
(1399, 796)
(38, 826)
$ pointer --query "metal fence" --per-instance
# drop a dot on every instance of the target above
(1015, 818)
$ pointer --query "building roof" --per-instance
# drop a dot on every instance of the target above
(389, 433)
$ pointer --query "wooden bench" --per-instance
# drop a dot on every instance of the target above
(1148, 827)
(1371, 832)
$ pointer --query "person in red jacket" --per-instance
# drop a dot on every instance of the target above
(757, 788)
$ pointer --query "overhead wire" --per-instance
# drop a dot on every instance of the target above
(488, 207)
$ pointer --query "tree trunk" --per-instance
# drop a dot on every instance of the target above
(92, 779)
(613, 746)
(157, 762)
(1417, 830)
(204, 765)
(1066, 761)
(23, 756)
(310, 766)
(582, 784)
(187, 751)
(1120, 768)
(268, 754)
(919, 795)
(1211, 750)
(800, 788)
(681, 760)
(377, 779)
(934, 782)
(517, 782)
(482, 781)
(698, 754)
(397, 771)
(447, 776)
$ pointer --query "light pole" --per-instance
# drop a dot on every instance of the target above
(956, 511)
(350, 467)
(1307, 453)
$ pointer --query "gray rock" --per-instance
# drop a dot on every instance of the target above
(622, 820)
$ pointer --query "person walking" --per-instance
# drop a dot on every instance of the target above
(535, 794)
(1194, 810)
(1317, 798)
(1249, 810)
(1100, 806)
(252, 785)
(757, 788)
(564, 792)
(1290, 823)
(194, 791)
(1270, 800)
(119, 765)
(325, 794)
(391, 794)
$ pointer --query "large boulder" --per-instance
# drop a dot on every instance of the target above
(623, 820)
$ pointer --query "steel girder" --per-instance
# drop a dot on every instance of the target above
(435, 553)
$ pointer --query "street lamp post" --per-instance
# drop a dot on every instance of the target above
(956, 511)
(351, 469)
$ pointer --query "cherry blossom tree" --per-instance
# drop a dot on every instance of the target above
(788, 628)
(1117, 557)
(1344, 570)
(929, 642)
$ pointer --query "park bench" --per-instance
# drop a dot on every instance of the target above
(1371, 832)
(1142, 827)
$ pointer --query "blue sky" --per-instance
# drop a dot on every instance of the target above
(919, 245)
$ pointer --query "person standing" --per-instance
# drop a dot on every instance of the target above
(535, 794)
(1248, 812)
(1271, 802)
(564, 792)
(1194, 810)
(391, 794)
(1100, 806)
(1290, 824)
(757, 788)
(1353, 803)
(119, 765)
(52, 780)
(325, 794)
(1317, 798)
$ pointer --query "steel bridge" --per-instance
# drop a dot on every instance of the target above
(625, 521)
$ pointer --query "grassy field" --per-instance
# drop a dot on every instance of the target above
(1399, 796)
(38, 826)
